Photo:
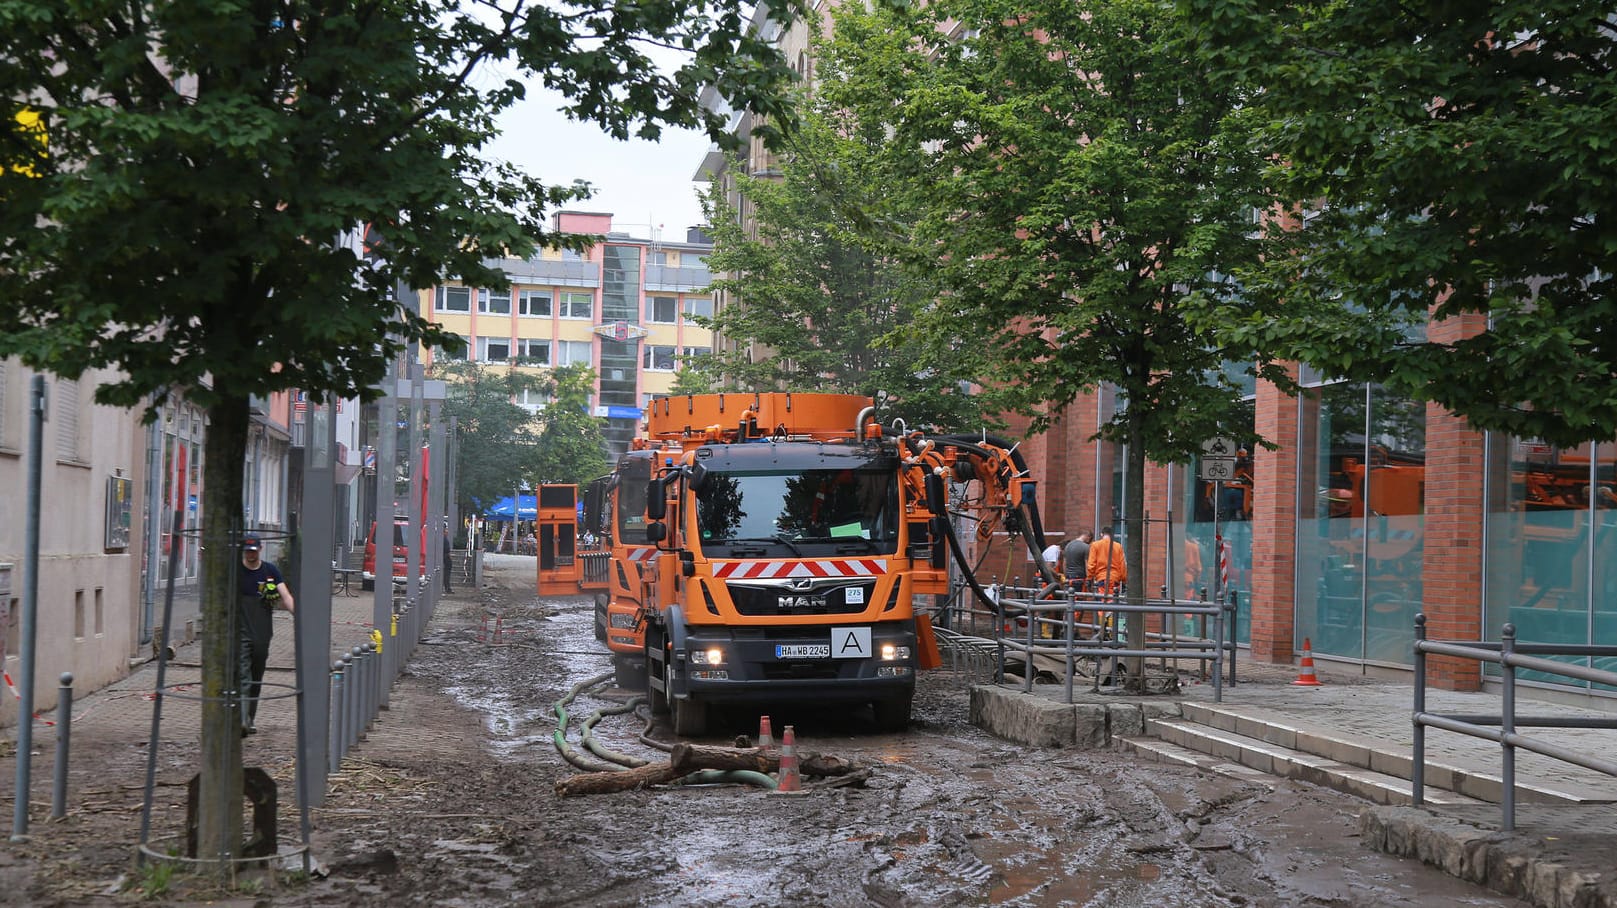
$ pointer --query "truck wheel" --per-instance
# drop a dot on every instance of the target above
(600, 617)
(690, 717)
(893, 713)
(657, 698)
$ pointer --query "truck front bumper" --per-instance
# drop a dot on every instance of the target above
(844, 663)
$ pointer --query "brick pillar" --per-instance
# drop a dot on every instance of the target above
(1451, 561)
(1274, 527)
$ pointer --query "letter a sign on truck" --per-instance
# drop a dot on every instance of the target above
(850, 643)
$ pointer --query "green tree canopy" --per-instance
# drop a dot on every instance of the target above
(1452, 160)
(572, 447)
(186, 222)
(498, 438)
(1075, 177)
(812, 302)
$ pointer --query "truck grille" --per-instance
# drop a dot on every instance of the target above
(764, 600)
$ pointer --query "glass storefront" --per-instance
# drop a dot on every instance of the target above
(1551, 554)
(1360, 521)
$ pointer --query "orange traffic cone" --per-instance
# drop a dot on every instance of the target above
(790, 779)
(766, 738)
(1305, 674)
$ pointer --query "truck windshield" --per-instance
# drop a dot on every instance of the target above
(810, 513)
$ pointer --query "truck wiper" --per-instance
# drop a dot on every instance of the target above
(736, 548)
(858, 545)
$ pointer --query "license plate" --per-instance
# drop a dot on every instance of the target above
(802, 651)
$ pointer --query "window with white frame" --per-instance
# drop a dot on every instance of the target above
(532, 398)
(577, 305)
(454, 299)
(688, 353)
(494, 302)
(573, 353)
(657, 358)
(700, 305)
(493, 349)
(664, 309)
(657, 257)
(535, 351)
(534, 302)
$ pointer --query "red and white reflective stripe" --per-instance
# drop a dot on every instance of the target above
(642, 553)
(785, 570)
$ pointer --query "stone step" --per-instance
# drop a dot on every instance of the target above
(1383, 757)
(1164, 752)
(1277, 760)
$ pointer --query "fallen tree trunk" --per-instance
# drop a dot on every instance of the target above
(625, 780)
(688, 758)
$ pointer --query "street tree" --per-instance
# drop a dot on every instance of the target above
(813, 304)
(1076, 176)
(572, 446)
(1444, 162)
(181, 224)
(498, 446)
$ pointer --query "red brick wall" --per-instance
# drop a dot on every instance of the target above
(1274, 527)
(1451, 567)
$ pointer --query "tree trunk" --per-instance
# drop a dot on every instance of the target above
(1134, 547)
(220, 808)
(685, 759)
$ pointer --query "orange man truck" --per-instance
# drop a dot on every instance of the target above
(769, 547)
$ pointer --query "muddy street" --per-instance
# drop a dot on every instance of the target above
(450, 801)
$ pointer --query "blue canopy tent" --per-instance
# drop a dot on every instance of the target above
(527, 508)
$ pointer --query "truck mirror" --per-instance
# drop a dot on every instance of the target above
(656, 504)
(696, 477)
(656, 532)
(936, 501)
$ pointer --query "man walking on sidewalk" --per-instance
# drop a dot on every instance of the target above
(261, 590)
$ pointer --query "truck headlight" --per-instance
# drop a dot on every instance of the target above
(621, 620)
(710, 656)
(891, 652)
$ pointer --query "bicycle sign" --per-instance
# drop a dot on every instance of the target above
(1217, 469)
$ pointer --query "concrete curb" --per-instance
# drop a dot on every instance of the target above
(1545, 862)
(1041, 722)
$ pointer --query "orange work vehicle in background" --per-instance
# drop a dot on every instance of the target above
(770, 548)
(571, 559)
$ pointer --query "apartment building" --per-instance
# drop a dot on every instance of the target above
(625, 308)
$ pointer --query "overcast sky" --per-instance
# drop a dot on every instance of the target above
(645, 186)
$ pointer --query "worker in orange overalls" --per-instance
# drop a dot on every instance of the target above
(1107, 569)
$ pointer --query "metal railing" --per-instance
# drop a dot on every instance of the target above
(1509, 655)
(1052, 627)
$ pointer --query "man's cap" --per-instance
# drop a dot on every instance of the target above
(249, 544)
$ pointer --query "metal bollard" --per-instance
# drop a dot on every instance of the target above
(361, 692)
(64, 731)
(334, 746)
(350, 691)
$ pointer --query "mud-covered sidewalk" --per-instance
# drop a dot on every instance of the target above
(450, 800)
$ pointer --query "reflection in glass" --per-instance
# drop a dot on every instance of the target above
(1361, 520)
(1552, 545)
(798, 513)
